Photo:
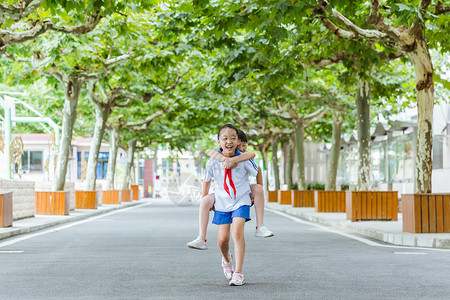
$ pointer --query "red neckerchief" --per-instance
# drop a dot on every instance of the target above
(225, 186)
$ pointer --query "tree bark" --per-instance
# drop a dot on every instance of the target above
(101, 116)
(338, 119)
(285, 156)
(300, 153)
(264, 154)
(130, 159)
(423, 68)
(276, 170)
(72, 90)
(113, 147)
(363, 120)
(290, 164)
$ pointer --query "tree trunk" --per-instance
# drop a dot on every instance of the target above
(423, 68)
(276, 170)
(101, 116)
(338, 119)
(363, 118)
(72, 91)
(264, 154)
(113, 147)
(290, 164)
(285, 156)
(155, 159)
(130, 159)
(300, 153)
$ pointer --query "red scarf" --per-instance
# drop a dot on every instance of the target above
(225, 186)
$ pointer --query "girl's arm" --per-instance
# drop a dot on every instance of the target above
(230, 162)
(259, 179)
(205, 188)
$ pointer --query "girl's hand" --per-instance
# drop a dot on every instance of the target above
(229, 163)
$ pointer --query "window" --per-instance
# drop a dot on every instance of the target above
(32, 161)
(102, 164)
(437, 154)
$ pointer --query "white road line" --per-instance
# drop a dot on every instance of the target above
(29, 236)
(11, 251)
(354, 237)
(411, 253)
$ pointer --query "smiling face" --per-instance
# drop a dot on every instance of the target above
(228, 141)
(242, 147)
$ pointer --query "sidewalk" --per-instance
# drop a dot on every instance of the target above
(45, 221)
(390, 232)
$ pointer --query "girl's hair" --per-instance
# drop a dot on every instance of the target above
(227, 126)
(241, 136)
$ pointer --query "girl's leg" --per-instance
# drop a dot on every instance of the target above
(239, 242)
(223, 241)
(258, 197)
(205, 207)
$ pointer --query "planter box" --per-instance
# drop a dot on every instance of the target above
(111, 197)
(329, 201)
(426, 213)
(302, 198)
(371, 205)
(285, 197)
(272, 196)
(6, 209)
(135, 189)
(86, 200)
(125, 195)
(52, 203)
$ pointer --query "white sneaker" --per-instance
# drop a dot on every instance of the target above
(263, 231)
(199, 243)
(237, 279)
(228, 268)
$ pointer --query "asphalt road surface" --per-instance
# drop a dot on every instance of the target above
(140, 253)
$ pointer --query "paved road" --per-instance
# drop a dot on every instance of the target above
(140, 253)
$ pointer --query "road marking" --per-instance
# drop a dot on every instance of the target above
(354, 237)
(29, 236)
(11, 251)
(411, 253)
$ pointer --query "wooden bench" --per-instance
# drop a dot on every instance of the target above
(372, 205)
(426, 213)
(285, 197)
(302, 198)
(329, 201)
(86, 200)
(6, 209)
(111, 197)
(125, 196)
(52, 203)
(135, 189)
(272, 196)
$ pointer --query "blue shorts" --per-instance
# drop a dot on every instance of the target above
(221, 217)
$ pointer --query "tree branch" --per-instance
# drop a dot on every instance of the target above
(315, 116)
(143, 125)
(16, 13)
(441, 9)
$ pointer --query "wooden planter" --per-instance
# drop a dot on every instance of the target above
(111, 197)
(302, 198)
(86, 200)
(52, 203)
(329, 201)
(426, 213)
(125, 196)
(135, 189)
(370, 205)
(285, 197)
(272, 196)
(6, 209)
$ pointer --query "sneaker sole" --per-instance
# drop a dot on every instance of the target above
(192, 247)
(233, 284)
(261, 236)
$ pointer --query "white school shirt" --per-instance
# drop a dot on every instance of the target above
(226, 202)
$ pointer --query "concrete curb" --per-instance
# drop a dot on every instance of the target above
(390, 232)
(80, 214)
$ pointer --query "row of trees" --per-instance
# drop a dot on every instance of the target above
(147, 72)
